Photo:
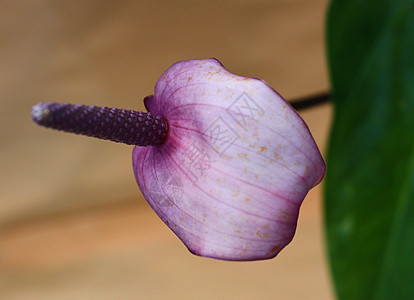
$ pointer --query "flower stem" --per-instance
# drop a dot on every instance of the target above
(118, 125)
(310, 101)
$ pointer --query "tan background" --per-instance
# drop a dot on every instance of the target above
(73, 223)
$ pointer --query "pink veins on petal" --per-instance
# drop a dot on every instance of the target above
(235, 166)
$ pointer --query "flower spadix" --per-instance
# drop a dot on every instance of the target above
(222, 159)
(235, 166)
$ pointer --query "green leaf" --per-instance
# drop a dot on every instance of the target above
(369, 188)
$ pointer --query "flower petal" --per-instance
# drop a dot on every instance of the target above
(235, 167)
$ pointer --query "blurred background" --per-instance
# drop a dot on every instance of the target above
(73, 222)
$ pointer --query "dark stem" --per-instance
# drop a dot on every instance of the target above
(118, 125)
(310, 101)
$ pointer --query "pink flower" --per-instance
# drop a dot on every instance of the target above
(222, 159)
(235, 166)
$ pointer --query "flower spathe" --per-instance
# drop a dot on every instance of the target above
(235, 166)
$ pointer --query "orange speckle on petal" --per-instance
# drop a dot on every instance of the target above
(243, 156)
(262, 235)
(275, 249)
(236, 194)
(262, 149)
(284, 215)
(307, 169)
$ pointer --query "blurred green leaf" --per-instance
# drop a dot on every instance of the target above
(369, 189)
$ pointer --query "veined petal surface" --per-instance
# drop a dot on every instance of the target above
(235, 166)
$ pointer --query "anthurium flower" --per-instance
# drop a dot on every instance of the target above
(222, 159)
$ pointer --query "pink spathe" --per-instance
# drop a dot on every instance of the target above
(235, 166)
